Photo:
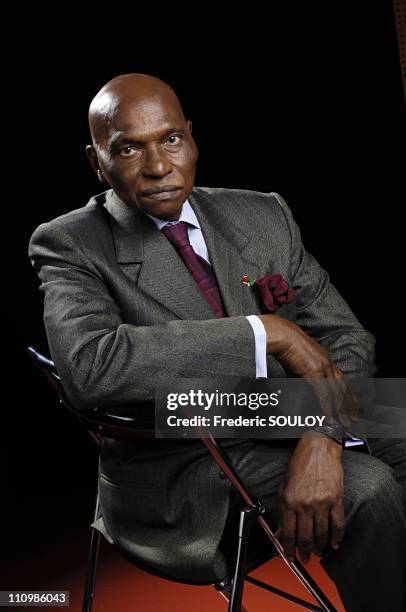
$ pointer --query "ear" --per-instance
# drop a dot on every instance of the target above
(92, 156)
(189, 126)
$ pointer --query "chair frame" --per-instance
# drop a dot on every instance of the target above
(115, 422)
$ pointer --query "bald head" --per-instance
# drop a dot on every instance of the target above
(142, 144)
(124, 91)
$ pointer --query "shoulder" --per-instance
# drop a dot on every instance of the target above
(250, 207)
(74, 229)
(92, 212)
(77, 220)
(239, 198)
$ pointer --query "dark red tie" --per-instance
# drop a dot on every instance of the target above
(199, 268)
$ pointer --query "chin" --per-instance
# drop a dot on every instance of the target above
(169, 215)
(163, 210)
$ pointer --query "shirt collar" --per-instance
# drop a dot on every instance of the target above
(187, 215)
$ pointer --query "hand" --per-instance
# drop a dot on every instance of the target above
(304, 357)
(311, 498)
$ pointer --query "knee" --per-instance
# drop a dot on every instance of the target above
(374, 492)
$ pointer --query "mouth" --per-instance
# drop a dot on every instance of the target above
(166, 192)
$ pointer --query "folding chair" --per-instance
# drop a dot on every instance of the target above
(117, 423)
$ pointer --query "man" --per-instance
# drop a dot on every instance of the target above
(144, 284)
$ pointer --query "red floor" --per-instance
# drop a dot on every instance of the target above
(121, 587)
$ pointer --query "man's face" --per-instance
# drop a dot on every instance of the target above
(148, 156)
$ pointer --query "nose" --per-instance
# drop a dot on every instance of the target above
(156, 163)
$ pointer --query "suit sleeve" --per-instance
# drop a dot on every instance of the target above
(104, 361)
(323, 313)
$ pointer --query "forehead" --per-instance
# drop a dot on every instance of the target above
(142, 119)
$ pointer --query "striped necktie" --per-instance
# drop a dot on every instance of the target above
(201, 271)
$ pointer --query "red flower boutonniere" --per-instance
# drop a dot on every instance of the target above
(274, 290)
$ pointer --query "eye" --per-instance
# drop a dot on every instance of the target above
(173, 139)
(130, 152)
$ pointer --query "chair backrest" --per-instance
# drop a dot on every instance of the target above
(124, 422)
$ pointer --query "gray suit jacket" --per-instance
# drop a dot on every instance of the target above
(122, 313)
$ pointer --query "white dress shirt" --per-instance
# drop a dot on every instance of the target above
(199, 246)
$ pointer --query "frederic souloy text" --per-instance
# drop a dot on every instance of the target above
(206, 400)
(271, 421)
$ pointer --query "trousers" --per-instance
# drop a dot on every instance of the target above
(369, 568)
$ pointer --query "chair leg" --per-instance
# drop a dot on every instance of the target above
(92, 563)
(225, 591)
(233, 592)
(248, 514)
(91, 571)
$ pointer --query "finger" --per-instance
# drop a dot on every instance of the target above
(321, 523)
(340, 399)
(288, 533)
(304, 534)
(335, 390)
(348, 409)
(319, 386)
(337, 522)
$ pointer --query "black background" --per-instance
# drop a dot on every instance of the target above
(309, 105)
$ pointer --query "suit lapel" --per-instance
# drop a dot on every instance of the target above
(163, 275)
(227, 245)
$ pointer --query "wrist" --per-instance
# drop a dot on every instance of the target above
(318, 440)
(277, 332)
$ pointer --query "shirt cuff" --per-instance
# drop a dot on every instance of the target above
(260, 346)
